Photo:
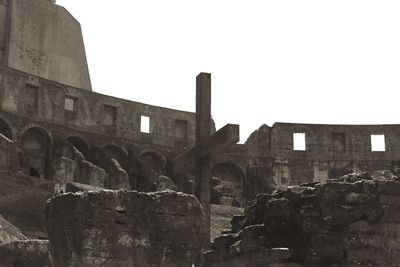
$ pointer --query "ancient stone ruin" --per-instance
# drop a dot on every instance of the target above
(88, 179)
(351, 221)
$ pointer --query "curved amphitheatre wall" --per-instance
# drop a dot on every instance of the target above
(267, 159)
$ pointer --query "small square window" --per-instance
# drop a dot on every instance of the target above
(378, 142)
(69, 104)
(144, 124)
(299, 141)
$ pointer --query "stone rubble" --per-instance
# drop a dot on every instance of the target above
(338, 222)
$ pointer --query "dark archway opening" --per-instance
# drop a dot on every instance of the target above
(33, 172)
(36, 146)
(81, 145)
(117, 153)
(227, 185)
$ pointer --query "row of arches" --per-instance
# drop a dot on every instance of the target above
(37, 147)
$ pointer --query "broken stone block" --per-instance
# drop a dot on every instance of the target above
(118, 178)
(26, 253)
(125, 228)
(224, 241)
(22, 201)
(77, 187)
(163, 183)
(9, 232)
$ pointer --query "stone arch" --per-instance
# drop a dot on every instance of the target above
(155, 161)
(118, 153)
(227, 183)
(5, 129)
(36, 144)
(80, 144)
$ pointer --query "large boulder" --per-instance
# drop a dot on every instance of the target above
(27, 253)
(125, 228)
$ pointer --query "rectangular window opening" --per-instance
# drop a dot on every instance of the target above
(144, 124)
(69, 103)
(110, 116)
(181, 128)
(299, 141)
(32, 98)
(338, 142)
(378, 142)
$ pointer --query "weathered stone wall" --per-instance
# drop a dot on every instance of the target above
(34, 117)
(22, 201)
(43, 100)
(331, 151)
(43, 39)
(125, 228)
(347, 222)
(25, 253)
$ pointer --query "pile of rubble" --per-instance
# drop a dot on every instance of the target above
(352, 220)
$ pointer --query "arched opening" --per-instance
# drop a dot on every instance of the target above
(154, 161)
(5, 129)
(81, 145)
(227, 184)
(116, 152)
(36, 146)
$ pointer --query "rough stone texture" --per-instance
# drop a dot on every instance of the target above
(8, 154)
(163, 183)
(9, 232)
(125, 228)
(118, 177)
(350, 221)
(221, 219)
(331, 151)
(22, 201)
(29, 253)
(41, 127)
(45, 40)
(77, 187)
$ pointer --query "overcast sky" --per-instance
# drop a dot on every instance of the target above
(288, 61)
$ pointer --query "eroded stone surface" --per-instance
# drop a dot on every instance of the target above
(22, 201)
(125, 228)
(349, 221)
(27, 253)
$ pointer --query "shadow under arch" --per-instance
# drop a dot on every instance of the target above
(155, 161)
(118, 153)
(229, 184)
(36, 144)
(80, 144)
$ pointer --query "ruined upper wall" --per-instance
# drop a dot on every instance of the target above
(43, 39)
(326, 141)
(330, 151)
(47, 101)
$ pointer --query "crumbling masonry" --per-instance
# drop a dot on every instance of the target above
(57, 136)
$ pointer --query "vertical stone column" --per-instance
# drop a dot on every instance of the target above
(203, 128)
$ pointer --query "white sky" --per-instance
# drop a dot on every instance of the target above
(290, 61)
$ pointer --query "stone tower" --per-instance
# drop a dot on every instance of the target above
(42, 38)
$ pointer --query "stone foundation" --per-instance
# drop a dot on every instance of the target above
(125, 228)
